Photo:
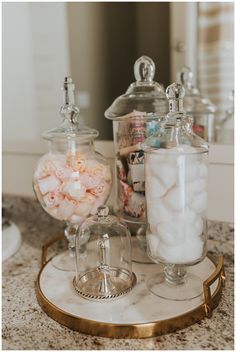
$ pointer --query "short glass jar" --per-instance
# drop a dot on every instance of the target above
(176, 172)
(72, 180)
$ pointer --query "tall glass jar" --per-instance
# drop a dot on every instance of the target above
(176, 171)
(225, 128)
(71, 180)
(136, 115)
(199, 107)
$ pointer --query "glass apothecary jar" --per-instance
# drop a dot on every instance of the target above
(176, 172)
(225, 128)
(71, 180)
(136, 115)
(199, 107)
(103, 258)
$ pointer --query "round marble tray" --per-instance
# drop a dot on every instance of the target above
(138, 314)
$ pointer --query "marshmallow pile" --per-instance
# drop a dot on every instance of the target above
(71, 187)
(176, 195)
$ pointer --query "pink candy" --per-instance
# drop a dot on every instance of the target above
(71, 187)
(63, 173)
(66, 209)
(53, 199)
(76, 162)
(74, 189)
(101, 189)
(100, 170)
(90, 180)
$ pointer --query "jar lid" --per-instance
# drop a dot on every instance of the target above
(194, 102)
(71, 126)
(176, 131)
(228, 120)
(144, 95)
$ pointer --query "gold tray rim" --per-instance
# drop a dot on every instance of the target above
(140, 330)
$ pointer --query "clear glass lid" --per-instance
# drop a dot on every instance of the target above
(194, 102)
(176, 130)
(71, 126)
(228, 121)
(144, 95)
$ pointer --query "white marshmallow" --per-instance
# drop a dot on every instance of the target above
(192, 223)
(171, 233)
(187, 215)
(48, 184)
(193, 249)
(66, 209)
(154, 189)
(171, 254)
(176, 199)
(193, 229)
(195, 188)
(188, 172)
(166, 174)
(159, 212)
(199, 203)
(186, 252)
(75, 189)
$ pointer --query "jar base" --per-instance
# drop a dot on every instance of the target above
(89, 285)
(192, 287)
(64, 262)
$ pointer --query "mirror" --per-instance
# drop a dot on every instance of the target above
(98, 43)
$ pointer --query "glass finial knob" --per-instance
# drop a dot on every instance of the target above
(175, 94)
(186, 76)
(69, 109)
(68, 80)
(68, 89)
(144, 69)
(175, 91)
(103, 211)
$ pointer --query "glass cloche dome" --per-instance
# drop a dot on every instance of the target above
(103, 257)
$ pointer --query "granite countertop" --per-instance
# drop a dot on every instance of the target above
(26, 326)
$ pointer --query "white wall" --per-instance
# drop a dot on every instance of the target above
(18, 84)
(35, 60)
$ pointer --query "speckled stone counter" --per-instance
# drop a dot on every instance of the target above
(25, 326)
